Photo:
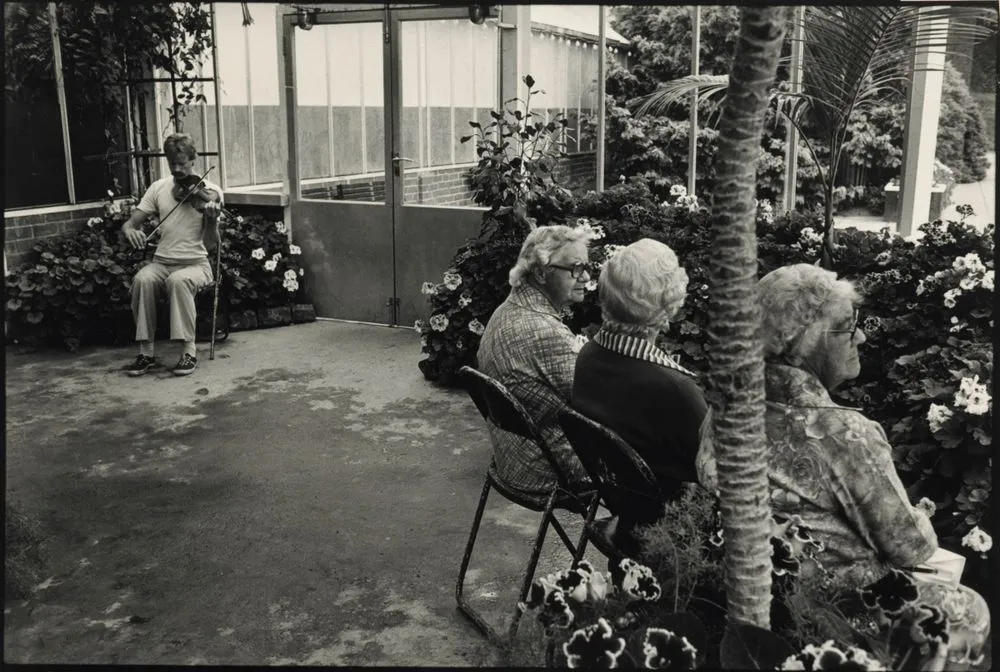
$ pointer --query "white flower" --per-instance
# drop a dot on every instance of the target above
(920, 288)
(239, 219)
(954, 319)
(439, 322)
(949, 297)
(477, 327)
(291, 285)
(937, 415)
(270, 265)
(987, 281)
(883, 258)
(678, 190)
(423, 341)
(927, 506)
(973, 396)
(280, 226)
(464, 300)
(968, 283)
(258, 253)
(294, 249)
(289, 274)
(591, 285)
(94, 220)
(978, 540)
(418, 325)
(452, 280)
(276, 256)
(427, 288)
(970, 262)
(111, 193)
(978, 403)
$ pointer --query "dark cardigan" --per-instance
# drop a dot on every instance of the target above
(657, 410)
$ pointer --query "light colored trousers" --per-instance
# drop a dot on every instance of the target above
(181, 281)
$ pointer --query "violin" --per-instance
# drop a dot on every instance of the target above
(191, 188)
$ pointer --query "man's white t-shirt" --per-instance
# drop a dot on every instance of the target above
(181, 234)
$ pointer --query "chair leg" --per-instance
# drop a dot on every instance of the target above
(536, 551)
(463, 605)
(581, 545)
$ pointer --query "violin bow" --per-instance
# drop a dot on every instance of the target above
(181, 202)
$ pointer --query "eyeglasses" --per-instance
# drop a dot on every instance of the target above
(853, 331)
(576, 270)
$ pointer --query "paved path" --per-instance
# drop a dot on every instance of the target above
(303, 499)
(980, 195)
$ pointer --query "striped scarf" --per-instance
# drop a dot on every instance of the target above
(639, 348)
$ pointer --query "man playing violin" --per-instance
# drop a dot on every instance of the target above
(187, 209)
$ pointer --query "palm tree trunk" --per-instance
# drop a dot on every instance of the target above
(735, 384)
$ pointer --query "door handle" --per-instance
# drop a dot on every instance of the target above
(396, 158)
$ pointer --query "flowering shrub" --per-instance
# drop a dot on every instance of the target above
(78, 289)
(263, 267)
(626, 617)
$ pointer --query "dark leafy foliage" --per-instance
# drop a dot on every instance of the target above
(77, 291)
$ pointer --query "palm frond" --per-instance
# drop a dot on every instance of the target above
(680, 90)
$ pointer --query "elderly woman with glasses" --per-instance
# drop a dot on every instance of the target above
(831, 465)
(631, 386)
(527, 347)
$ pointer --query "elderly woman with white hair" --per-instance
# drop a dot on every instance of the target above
(631, 386)
(831, 465)
(527, 347)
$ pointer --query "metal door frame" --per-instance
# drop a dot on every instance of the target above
(391, 19)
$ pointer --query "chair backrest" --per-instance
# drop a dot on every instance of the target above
(502, 409)
(623, 479)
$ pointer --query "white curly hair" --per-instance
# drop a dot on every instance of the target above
(797, 305)
(540, 246)
(641, 288)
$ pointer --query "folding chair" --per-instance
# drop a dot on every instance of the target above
(499, 408)
(624, 481)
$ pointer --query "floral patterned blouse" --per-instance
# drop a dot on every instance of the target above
(832, 466)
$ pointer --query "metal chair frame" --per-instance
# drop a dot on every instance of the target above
(501, 409)
(623, 479)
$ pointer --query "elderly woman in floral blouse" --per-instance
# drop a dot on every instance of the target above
(831, 465)
(527, 347)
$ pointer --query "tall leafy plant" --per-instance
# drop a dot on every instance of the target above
(515, 178)
(853, 59)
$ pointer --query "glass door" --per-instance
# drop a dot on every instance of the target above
(342, 199)
(378, 179)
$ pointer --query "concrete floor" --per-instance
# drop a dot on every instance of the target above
(303, 499)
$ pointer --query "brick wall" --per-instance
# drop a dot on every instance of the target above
(21, 232)
(578, 172)
(443, 186)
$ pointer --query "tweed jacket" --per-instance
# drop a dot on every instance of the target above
(527, 347)
(638, 391)
(833, 466)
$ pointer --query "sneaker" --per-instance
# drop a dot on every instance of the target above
(141, 365)
(185, 365)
